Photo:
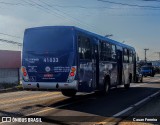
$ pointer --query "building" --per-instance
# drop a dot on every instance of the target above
(10, 63)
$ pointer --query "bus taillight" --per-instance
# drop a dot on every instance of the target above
(73, 71)
(72, 74)
(24, 72)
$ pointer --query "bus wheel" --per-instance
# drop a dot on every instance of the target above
(69, 93)
(141, 79)
(127, 86)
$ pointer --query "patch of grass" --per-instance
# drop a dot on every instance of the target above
(19, 86)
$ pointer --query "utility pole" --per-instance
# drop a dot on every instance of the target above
(137, 57)
(145, 52)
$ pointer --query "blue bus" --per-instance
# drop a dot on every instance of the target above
(71, 60)
(147, 70)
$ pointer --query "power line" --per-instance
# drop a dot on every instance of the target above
(46, 10)
(6, 3)
(79, 6)
(11, 42)
(132, 5)
(77, 20)
(99, 7)
(67, 15)
(11, 35)
(40, 7)
(151, 0)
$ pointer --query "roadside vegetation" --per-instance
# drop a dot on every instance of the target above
(10, 85)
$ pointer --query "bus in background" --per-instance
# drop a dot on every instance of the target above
(71, 60)
(147, 70)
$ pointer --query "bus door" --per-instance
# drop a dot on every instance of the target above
(86, 69)
(95, 61)
(119, 66)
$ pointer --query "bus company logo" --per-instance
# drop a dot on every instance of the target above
(48, 69)
(6, 119)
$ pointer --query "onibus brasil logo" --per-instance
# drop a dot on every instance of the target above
(15, 119)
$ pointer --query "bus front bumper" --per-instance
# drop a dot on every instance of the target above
(50, 85)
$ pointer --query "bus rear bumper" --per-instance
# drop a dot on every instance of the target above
(50, 85)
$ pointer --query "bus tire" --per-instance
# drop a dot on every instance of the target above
(106, 85)
(141, 80)
(136, 81)
(127, 86)
(69, 93)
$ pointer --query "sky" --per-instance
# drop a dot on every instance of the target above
(136, 22)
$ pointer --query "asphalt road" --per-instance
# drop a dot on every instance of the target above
(54, 108)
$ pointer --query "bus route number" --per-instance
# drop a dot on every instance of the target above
(51, 60)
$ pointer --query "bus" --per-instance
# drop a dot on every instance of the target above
(147, 70)
(71, 60)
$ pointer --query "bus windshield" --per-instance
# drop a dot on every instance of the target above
(48, 39)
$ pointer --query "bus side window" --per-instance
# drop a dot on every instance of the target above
(103, 51)
(81, 56)
(108, 52)
(84, 47)
(125, 56)
(113, 52)
(130, 56)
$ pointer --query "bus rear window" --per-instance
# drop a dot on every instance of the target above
(48, 39)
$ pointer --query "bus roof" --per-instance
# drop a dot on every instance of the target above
(87, 32)
(105, 39)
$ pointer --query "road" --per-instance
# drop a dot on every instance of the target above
(92, 109)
